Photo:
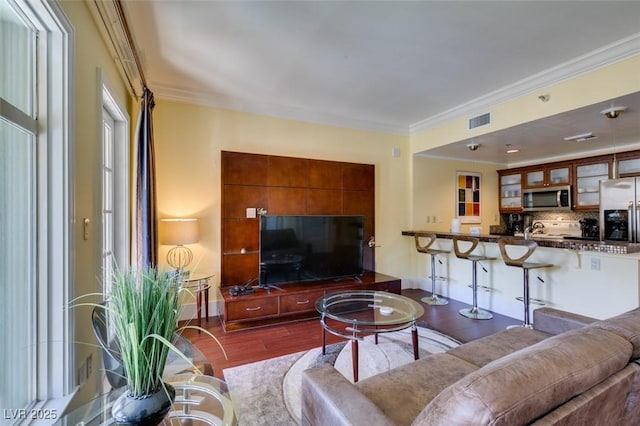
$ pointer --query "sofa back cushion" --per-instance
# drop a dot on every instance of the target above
(523, 386)
(626, 325)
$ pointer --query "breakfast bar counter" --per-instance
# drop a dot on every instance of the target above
(594, 278)
(613, 247)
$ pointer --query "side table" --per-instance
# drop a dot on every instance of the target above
(200, 400)
(199, 284)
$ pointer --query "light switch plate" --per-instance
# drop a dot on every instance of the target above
(251, 212)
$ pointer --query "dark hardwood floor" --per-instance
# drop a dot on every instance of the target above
(257, 344)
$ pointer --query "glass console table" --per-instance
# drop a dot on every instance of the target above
(200, 400)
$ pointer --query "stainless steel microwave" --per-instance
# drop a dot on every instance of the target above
(550, 198)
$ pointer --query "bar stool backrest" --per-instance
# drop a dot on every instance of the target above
(518, 262)
(431, 238)
(456, 247)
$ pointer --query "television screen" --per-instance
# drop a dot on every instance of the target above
(305, 248)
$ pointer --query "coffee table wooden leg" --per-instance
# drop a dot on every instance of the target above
(206, 304)
(354, 359)
(199, 308)
(324, 341)
(414, 338)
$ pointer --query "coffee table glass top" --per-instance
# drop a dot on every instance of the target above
(368, 307)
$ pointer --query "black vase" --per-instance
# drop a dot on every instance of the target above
(148, 410)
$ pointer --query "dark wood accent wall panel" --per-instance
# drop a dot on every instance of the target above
(286, 185)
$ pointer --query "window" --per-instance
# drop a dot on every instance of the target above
(34, 203)
(115, 183)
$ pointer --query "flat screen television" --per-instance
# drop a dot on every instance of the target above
(309, 248)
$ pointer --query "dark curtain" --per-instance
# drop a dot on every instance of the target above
(144, 221)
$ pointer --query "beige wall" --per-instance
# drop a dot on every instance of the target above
(615, 80)
(188, 143)
(90, 55)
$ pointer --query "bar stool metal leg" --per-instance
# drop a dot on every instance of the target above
(525, 301)
(434, 299)
(474, 312)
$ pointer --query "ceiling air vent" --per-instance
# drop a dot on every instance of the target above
(479, 120)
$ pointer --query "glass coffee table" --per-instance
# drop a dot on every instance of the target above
(356, 314)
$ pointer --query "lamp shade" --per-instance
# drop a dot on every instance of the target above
(178, 232)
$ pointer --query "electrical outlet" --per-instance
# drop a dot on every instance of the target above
(595, 264)
(439, 219)
(428, 219)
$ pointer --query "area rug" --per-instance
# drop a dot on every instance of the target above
(268, 392)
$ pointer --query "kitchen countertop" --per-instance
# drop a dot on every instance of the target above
(614, 247)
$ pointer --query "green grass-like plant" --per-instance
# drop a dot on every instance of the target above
(145, 309)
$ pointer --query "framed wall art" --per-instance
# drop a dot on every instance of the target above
(468, 198)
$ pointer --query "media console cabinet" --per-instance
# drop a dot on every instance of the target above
(292, 301)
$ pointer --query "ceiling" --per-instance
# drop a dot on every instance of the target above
(390, 66)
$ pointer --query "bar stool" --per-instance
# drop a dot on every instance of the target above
(431, 238)
(520, 262)
(474, 312)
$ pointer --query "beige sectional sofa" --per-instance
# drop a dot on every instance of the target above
(567, 370)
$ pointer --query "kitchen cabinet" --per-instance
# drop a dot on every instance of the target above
(543, 176)
(510, 191)
(588, 174)
(629, 164)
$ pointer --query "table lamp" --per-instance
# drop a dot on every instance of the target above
(179, 233)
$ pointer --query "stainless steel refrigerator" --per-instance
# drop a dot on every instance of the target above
(620, 209)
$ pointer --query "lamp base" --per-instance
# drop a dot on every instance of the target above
(179, 257)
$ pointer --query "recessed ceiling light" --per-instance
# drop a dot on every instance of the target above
(613, 112)
(512, 151)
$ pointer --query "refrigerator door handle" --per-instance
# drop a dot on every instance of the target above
(631, 222)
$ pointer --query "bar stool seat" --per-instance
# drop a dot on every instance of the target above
(521, 262)
(474, 312)
(431, 238)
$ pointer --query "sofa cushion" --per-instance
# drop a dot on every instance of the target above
(555, 321)
(482, 351)
(626, 325)
(525, 385)
(403, 392)
(604, 404)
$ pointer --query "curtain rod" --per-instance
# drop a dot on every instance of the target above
(132, 47)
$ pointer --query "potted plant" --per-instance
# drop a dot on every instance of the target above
(144, 309)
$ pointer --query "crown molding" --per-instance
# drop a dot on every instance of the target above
(168, 93)
(599, 58)
(615, 52)
(112, 29)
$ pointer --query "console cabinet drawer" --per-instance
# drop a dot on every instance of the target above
(301, 302)
(253, 308)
